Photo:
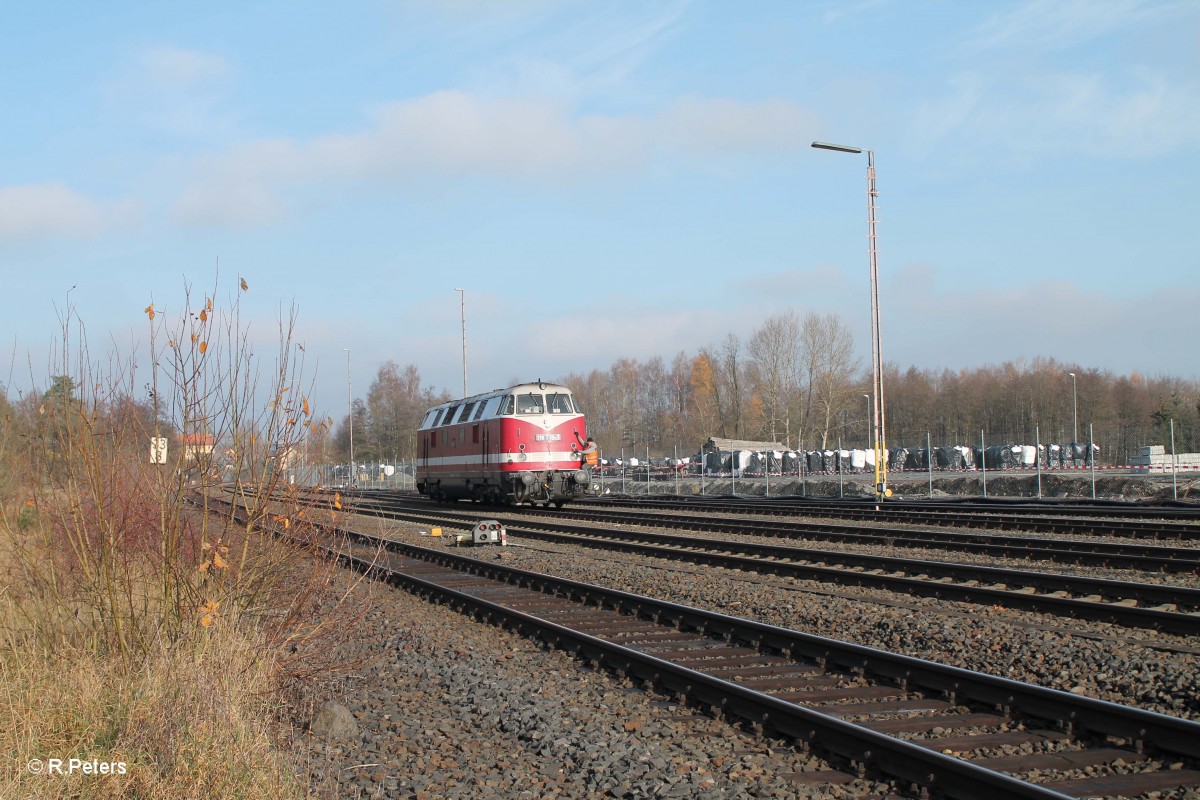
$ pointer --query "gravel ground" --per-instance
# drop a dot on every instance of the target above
(449, 708)
(1181, 579)
(1093, 658)
(1070, 485)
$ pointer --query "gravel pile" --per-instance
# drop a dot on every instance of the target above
(445, 707)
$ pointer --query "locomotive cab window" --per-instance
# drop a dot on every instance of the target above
(559, 403)
(530, 404)
(507, 405)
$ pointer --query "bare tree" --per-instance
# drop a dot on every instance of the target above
(733, 372)
(774, 350)
(830, 367)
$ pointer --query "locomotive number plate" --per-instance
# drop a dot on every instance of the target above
(547, 437)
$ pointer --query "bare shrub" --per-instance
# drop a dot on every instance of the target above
(172, 615)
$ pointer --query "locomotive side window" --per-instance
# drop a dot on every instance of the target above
(450, 415)
(436, 416)
(559, 403)
(530, 404)
(466, 412)
(482, 406)
(507, 405)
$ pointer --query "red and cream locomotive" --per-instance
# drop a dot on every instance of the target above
(523, 444)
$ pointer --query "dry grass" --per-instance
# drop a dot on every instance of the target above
(135, 628)
(188, 721)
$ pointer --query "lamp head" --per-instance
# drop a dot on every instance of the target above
(841, 148)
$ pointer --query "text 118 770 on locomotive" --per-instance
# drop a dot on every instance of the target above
(507, 446)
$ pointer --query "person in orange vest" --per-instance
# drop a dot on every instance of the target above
(590, 455)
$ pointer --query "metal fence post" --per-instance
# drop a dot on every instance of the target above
(983, 460)
(1037, 456)
(1174, 484)
(839, 467)
(929, 460)
(1092, 458)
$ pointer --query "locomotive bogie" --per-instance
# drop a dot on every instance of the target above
(509, 446)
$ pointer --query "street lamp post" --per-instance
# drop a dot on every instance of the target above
(868, 397)
(879, 424)
(1075, 413)
(350, 408)
(462, 298)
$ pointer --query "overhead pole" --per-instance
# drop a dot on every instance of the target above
(462, 299)
(880, 426)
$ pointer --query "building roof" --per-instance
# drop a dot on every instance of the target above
(716, 443)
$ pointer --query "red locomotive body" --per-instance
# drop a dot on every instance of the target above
(507, 446)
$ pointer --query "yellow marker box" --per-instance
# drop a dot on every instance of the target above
(435, 531)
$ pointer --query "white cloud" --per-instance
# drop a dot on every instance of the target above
(453, 134)
(928, 322)
(47, 210)
(1055, 24)
(1138, 114)
(823, 288)
(176, 90)
(171, 67)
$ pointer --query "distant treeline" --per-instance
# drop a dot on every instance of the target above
(796, 381)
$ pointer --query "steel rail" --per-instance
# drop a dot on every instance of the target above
(893, 574)
(1001, 517)
(1147, 558)
(889, 755)
(1171, 734)
(951, 777)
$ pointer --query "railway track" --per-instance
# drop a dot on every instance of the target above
(1128, 603)
(1175, 522)
(1138, 556)
(928, 727)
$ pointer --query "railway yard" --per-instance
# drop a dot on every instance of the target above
(764, 647)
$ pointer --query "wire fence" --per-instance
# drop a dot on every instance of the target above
(850, 469)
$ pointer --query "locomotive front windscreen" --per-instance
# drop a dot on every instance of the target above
(559, 404)
(530, 404)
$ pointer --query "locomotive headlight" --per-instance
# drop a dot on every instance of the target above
(522, 457)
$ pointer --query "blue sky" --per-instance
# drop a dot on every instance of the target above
(605, 180)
